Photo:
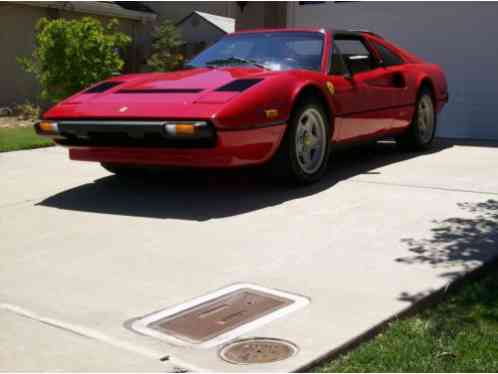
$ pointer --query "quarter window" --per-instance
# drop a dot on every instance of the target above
(388, 57)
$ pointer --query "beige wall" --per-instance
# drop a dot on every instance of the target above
(17, 36)
(17, 39)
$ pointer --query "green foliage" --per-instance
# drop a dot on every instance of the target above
(27, 111)
(73, 54)
(165, 49)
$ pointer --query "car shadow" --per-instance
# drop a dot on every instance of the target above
(201, 195)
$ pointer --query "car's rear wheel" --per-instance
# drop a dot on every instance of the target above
(422, 130)
(304, 152)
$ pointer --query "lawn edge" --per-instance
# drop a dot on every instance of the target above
(27, 148)
(436, 297)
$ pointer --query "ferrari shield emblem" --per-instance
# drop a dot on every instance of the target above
(271, 113)
(330, 87)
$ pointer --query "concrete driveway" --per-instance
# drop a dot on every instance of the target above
(83, 253)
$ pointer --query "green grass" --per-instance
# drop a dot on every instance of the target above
(458, 335)
(12, 139)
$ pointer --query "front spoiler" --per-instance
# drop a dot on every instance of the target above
(232, 149)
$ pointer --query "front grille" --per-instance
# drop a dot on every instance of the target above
(128, 134)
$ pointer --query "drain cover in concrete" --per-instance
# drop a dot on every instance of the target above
(257, 351)
(220, 316)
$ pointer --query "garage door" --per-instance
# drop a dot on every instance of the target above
(461, 37)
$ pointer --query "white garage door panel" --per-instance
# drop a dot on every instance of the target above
(461, 37)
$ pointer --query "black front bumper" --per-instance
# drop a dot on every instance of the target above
(139, 134)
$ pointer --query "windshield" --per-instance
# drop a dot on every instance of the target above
(271, 50)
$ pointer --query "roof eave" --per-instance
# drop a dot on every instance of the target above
(94, 8)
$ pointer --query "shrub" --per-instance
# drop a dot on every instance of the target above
(165, 48)
(73, 54)
(28, 111)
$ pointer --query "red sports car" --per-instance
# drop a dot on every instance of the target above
(284, 97)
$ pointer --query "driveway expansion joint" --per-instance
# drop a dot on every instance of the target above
(434, 188)
(94, 335)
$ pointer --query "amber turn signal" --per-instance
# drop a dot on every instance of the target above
(187, 129)
(48, 127)
(184, 128)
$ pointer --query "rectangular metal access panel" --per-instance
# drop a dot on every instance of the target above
(217, 316)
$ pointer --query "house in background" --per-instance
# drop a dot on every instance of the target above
(199, 30)
(137, 19)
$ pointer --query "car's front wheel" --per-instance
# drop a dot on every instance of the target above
(420, 134)
(304, 152)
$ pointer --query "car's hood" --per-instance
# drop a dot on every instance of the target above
(157, 95)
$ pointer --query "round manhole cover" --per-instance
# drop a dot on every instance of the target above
(257, 351)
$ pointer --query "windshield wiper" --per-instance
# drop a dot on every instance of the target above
(235, 59)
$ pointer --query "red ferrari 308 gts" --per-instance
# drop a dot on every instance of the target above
(283, 97)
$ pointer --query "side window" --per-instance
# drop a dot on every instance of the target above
(337, 65)
(388, 57)
(356, 55)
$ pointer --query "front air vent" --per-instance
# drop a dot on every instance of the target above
(102, 87)
(159, 90)
(239, 85)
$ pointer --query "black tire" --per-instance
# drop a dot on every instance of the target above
(414, 139)
(285, 164)
(123, 170)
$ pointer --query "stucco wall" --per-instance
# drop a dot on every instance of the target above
(461, 37)
(17, 39)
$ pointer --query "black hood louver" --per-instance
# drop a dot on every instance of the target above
(159, 90)
(239, 85)
(102, 87)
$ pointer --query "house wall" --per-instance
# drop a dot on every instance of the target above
(199, 34)
(461, 37)
(17, 36)
(196, 30)
(176, 10)
(17, 39)
(254, 14)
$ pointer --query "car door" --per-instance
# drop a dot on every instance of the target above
(395, 82)
(366, 108)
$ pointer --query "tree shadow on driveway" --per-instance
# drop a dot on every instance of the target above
(467, 242)
(202, 195)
